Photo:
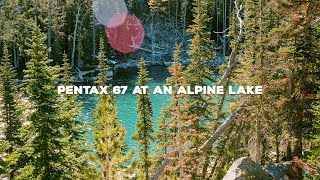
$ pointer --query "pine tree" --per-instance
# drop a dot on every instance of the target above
(201, 51)
(102, 78)
(300, 62)
(9, 117)
(77, 149)
(42, 134)
(162, 139)
(174, 133)
(314, 154)
(179, 116)
(260, 68)
(284, 62)
(255, 70)
(67, 79)
(199, 73)
(50, 135)
(108, 133)
(316, 141)
(13, 23)
(144, 124)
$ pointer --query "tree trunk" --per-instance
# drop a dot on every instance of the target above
(224, 27)
(146, 169)
(107, 170)
(49, 27)
(217, 16)
(75, 36)
(152, 38)
(169, 11)
(181, 173)
(213, 169)
(176, 23)
(297, 134)
(164, 163)
(184, 20)
(288, 151)
(257, 155)
(264, 151)
(205, 166)
(15, 56)
(277, 150)
(234, 52)
(93, 39)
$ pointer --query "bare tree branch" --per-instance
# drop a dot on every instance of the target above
(221, 31)
(164, 163)
(232, 57)
(220, 130)
(315, 22)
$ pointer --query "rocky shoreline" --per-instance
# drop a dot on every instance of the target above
(88, 73)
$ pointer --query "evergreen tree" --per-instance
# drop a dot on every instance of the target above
(9, 117)
(300, 65)
(15, 28)
(255, 70)
(174, 133)
(42, 134)
(50, 135)
(108, 133)
(179, 117)
(199, 73)
(77, 149)
(285, 63)
(313, 133)
(102, 78)
(67, 79)
(162, 139)
(166, 134)
(314, 154)
(201, 51)
(144, 124)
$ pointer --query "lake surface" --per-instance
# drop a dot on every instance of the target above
(126, 103)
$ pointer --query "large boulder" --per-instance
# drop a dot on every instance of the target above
(246, 169)
(285, 170)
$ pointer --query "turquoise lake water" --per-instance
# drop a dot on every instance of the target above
(126, 103)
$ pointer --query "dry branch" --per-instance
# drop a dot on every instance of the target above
(315, 22)
(164, 163)
(232, 57)
(220, 130)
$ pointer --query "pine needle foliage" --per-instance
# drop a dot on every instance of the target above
(314, 154)
(201, 51)
(44, 136)
(199, 73)
(144, 124)
(108, 132)
(9, 117)
(75, 129)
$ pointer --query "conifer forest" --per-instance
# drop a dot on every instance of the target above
(270, 43)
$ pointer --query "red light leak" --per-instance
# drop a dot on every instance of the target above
(126, 37)
(117, 20)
